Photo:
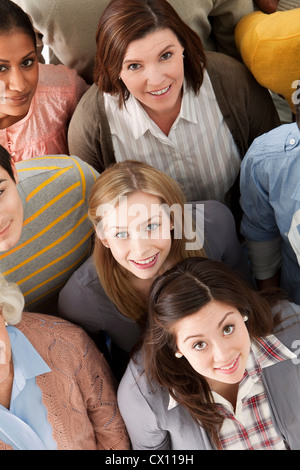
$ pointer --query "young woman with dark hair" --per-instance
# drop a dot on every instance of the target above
(36, 100)
(212, 369)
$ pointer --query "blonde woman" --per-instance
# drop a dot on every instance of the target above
(143, 225)
(47, 403)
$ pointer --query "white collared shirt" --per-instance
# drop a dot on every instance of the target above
(199, 152)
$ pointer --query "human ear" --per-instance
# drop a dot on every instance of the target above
(104, 242)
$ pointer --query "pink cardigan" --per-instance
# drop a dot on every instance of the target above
(79, 392)
(43, 131)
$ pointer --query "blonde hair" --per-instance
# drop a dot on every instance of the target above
(11, 302)
(120, 180)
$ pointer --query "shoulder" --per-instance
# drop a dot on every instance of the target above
(289, 326)
(43, 330)
(68, 167)
(219, 64)
(92, 101)
(59, 77)
(135, 387)
(277, 144)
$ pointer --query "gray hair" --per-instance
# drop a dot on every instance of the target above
(11, 301)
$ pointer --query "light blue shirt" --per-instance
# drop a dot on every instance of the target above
(25, 426)
(270, 199)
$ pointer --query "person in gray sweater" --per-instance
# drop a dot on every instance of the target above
(218, 367)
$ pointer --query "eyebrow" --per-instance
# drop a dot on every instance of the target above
(146, 222)
(129, 61)
(219, 324)
(25, 57)
(2, 180)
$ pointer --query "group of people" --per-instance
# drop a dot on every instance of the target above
(148, 230)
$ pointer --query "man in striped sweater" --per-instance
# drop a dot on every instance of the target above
(45, 233)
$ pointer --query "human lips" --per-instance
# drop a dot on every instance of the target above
(145, 263)
(160, 92)
(17, 100)
(4, 229)
(229, 368)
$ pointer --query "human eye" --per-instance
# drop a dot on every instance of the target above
(152, 227)
(228, 330)
(27, 63)
(122, 235)
(166, 56)
(199, 346)
(3, 68)
(134, 67)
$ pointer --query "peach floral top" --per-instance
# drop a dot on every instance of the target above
(43, 131)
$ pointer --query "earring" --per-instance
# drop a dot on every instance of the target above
(183, 55)
(245, 318)
(178, 355)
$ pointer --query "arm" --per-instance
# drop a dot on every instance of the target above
(89, 134)
(83, 301)
(224, 17)
(259, 224)
(98, 388)
(221, 241)
(138, 414)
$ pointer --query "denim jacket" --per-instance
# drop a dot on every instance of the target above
(270, 199)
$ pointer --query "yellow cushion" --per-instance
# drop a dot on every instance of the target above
(270, 47)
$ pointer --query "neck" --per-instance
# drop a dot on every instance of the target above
(6, 387)
(165, 119)
(7, 121)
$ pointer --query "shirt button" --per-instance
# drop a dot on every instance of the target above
(292, 141)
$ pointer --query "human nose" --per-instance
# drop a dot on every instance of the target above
(16, 80)
(155, 75)
(221, 353)
(140, 246)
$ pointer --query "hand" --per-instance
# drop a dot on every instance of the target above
(267, 6)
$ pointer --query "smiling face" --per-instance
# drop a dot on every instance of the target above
(153, 71)
(18, 76)
(138, 233)
(216, 342)
(11, 211)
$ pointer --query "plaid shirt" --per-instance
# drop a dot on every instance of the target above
(250, 425)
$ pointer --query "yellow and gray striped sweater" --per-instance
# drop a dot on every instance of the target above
(56, 231)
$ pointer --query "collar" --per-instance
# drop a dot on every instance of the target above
(264, 352)
(27, 361)
(140, 122)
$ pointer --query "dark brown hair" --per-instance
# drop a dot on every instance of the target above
(6, 162)
(125, 21)
(13, 18)
(182, 291)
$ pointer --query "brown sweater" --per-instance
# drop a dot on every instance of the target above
(79, 392)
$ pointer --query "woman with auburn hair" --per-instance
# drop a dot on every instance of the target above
(56, 389)
(143, 225)
(159, 98)
(213, 364)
